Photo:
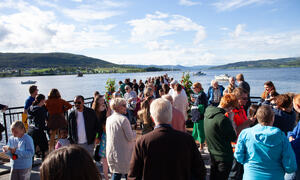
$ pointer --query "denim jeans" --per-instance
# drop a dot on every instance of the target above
(130, 116)
(117, 176)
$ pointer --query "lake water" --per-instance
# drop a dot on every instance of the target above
(13, 93)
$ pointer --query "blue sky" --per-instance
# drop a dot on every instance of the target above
(185, 32)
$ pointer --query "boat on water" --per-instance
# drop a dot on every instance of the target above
(28, 82)
(222, 77)
(79, 74)
(199, 73)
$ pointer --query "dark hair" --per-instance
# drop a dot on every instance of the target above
(96, 93)
(80, 97)
(54, 94)
(178, 87)
(32, 89)
(166, 88)
(69, 163)
(283, 101)
(252, 110)
(270, 84)
(38, 99)
(96, 105)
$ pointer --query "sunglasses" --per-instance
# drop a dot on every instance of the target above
(77, 102)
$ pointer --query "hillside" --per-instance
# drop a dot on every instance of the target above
(46, 60)
(267, 63)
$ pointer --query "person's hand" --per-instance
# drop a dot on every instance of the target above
(5, 148)
(12, 150)
(291, 138)
(97, 141)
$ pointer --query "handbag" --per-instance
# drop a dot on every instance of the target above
(96, 153)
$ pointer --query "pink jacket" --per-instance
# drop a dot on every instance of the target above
(178, 121)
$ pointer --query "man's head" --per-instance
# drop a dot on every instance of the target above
(240, 77)
(33, 90)
(231, 80)
(241, 95)
(265, 115)
(79, 103)
(214, 84)
(161, 111)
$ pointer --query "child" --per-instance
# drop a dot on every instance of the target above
(102, 152)
(20, 148)
(63, 141)
(252, 114)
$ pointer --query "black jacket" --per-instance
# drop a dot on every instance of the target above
(38, 116)
(91, 122)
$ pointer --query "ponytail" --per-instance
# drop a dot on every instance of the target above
(38, 99)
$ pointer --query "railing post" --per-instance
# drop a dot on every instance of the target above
(5, 125)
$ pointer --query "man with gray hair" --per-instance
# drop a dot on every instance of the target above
(160, 154)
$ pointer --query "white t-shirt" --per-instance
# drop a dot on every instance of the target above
(81, 128)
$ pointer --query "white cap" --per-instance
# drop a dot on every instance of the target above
(174, 82)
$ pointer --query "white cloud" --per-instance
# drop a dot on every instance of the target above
(188, 3)
(76, 0)
(30, 29)
(225, 5)
(83, 14)
(156, 26)
(239, 30)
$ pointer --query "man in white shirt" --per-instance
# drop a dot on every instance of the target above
(83, 125)
(172, 91)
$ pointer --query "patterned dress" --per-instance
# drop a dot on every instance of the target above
(102, 149)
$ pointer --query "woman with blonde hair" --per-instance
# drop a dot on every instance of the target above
(144, 115)
(56, 107)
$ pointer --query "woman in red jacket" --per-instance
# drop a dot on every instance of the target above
(56, 107)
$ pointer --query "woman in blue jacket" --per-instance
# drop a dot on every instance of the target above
(264, 150)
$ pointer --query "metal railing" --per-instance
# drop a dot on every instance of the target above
(15, 113)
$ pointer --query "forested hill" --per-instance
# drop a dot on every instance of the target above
(267, 63)
(46, 60)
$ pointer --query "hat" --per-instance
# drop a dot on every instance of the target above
(174, 82)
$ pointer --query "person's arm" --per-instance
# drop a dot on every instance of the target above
(129, 134)
(289, 163)
(29, 149)
(240, 149)
(136, 164)
(66, 105)
(295, 131)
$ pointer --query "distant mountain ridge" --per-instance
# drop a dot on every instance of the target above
(46, 60)
(174, 67)
(266, 63)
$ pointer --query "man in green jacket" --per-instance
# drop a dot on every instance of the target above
(219, 134)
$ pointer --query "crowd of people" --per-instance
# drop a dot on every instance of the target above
(244, 140)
